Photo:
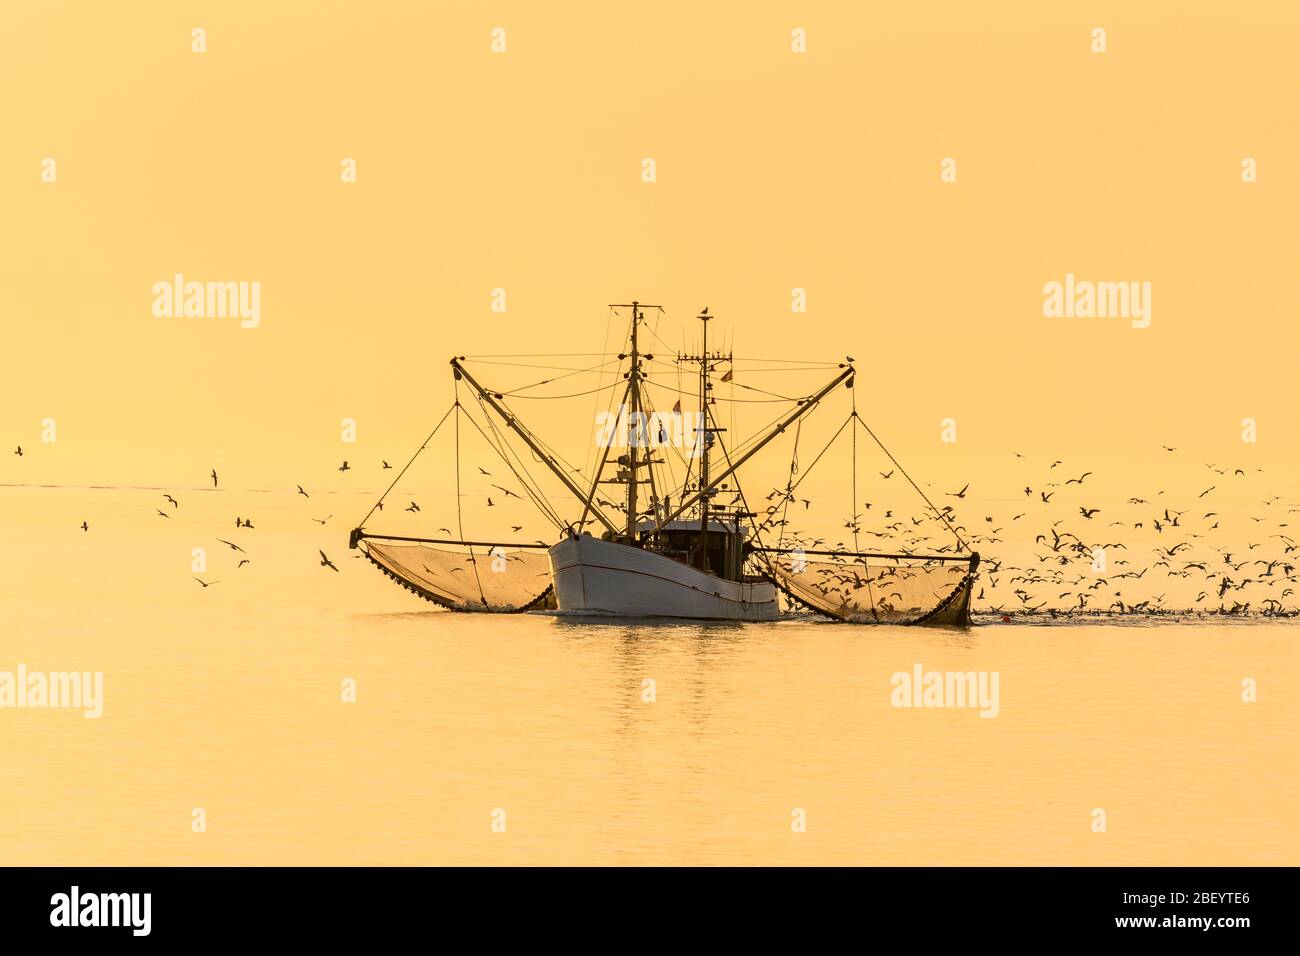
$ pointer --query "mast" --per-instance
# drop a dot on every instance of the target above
(707, 438)
(637, 430)
(635, 427)
(704, 435)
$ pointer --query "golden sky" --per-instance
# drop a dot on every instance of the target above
(522, 170)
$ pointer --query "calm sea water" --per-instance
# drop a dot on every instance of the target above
(229, 699)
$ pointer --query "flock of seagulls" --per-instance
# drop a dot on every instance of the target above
(1052, 552)
(1058, 554)
(243, 522)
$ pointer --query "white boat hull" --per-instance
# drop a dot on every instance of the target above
(592, 576)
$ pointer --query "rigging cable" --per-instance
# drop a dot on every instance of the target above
(778, 361)
(423, 445)
(593, 391)
(595, 407)
(853, 500)
(816, 460)
(745, 401)
(789, 480)
(460, 520)
(568, 374)
(536, 496)
(924, 497)
(535, 438)
(744, 503)
(853, 516)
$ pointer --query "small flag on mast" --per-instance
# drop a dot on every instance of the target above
(727, 377)
(677, 409)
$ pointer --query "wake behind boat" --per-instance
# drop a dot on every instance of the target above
(667, 545)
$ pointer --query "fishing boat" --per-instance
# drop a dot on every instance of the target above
(668, 545)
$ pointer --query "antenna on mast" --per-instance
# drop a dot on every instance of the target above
(636, 427)
(704, 434)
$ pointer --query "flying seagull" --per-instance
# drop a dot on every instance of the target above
(325, 562)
